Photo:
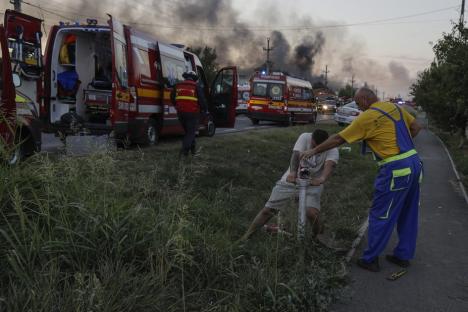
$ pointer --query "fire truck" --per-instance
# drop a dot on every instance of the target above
(114, 79)
(281, 98)
(21, 70)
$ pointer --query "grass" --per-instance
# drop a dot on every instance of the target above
(459, 155)
(141, 231)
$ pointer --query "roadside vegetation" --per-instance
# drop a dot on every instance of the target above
(441, 91)
(459, 154)
(140, 231)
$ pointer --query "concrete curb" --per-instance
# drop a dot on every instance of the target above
(462, 187)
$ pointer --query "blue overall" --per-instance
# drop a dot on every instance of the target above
(396, 198)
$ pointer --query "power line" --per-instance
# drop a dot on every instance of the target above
(253, 28)
(306, 27)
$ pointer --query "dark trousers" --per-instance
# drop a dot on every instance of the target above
(189, 122)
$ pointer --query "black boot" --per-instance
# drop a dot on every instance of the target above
(395, 260)
(370, 266)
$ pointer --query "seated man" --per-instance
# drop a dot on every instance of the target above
(316, 170)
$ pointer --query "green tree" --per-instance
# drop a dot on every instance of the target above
(348, 91)
(208, 58)
(442, 89)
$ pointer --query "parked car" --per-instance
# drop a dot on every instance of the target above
(347, 113)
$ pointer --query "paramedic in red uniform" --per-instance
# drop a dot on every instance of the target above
(389, 131)
(189, 101)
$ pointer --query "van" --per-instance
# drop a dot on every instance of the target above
(117, 80)
(21, 71)
(281, 98)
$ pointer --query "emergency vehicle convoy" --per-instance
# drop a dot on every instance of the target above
(111, 79)
(281, 98)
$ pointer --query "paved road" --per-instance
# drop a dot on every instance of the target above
(438, 277)
(79, 145)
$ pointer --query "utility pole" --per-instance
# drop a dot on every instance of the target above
(462, 14)
(268, 49)
(383, 96)
(17, 5)
(352, 84)
(326, 75)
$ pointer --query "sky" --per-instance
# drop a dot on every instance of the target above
(382, 43)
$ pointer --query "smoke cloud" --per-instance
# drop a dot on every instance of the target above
(218, 24)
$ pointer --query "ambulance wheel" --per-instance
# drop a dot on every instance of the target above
(152, 132)
(17, 155)
(255, 121)
(23, 147)
(210, 128)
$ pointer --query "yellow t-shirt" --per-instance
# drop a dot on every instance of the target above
(377, 129)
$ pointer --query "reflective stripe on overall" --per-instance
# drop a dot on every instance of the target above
(396, 197)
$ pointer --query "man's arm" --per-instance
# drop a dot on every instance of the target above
(328, 168)
(415, 127)
(293, 167)
(333, 141)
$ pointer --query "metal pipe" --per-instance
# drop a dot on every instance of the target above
(301, 213)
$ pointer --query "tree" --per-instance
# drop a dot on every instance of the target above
(348, 91)
(208, 58)
(441, 89)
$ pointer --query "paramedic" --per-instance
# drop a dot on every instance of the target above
(189, 101)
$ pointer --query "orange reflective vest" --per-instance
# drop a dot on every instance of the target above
(186, 97)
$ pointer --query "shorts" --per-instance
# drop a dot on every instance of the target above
(283, 192)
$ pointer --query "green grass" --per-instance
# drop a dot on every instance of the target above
(459, 155)
(451, 141)
(140, 231)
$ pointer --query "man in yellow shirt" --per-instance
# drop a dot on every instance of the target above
(388, 130)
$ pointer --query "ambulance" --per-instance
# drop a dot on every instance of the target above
(243, 97)
(20, 86)
(122, 83)
(116, 80)
(281, 98)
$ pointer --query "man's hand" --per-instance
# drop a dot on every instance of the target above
(317, 181)
(307, 154)
(291, 178)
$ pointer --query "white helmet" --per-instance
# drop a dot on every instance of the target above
(190, 75)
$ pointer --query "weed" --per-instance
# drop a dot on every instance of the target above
(144, 231)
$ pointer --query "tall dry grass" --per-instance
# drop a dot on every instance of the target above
(141, 231)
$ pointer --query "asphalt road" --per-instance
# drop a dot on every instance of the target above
(82, 145)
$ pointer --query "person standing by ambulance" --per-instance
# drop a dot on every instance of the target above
(189, 101)
(388, 130)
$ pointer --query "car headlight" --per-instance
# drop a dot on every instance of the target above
(325, 106)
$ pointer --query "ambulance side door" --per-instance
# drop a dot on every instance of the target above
(7, 96)
(223, 97)
(120, 86)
